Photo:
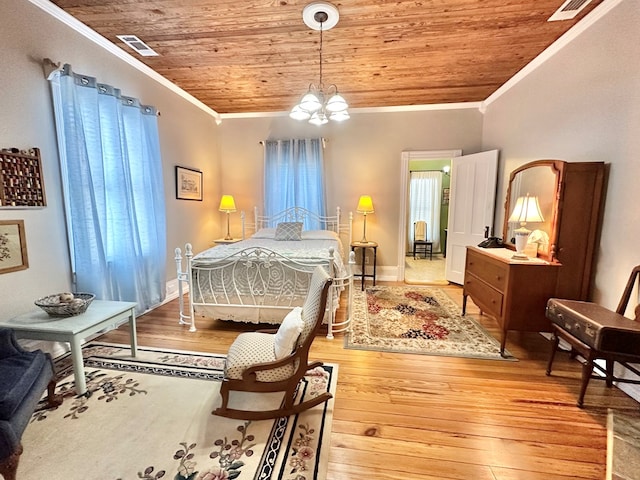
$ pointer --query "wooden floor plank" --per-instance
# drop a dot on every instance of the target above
(414, 416)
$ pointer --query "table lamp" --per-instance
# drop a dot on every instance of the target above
(365, 205)
(227, 205)
(527, 209)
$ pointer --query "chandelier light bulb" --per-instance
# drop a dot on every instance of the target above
(318, 118)
(297, 113)
(339, 116)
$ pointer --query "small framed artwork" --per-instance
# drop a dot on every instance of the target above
(445, 196)
(13, 246)
(188, 184)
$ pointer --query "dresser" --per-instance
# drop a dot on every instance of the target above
(514, 292)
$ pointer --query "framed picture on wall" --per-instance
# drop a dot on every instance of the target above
(188, 184)
(13, 246)
(445, 196)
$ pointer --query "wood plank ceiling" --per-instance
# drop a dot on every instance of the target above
(240, 56)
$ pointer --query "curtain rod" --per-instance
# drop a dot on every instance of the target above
(49, 66)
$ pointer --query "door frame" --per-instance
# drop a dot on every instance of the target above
(405, 158)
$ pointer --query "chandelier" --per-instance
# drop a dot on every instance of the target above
(318, 105)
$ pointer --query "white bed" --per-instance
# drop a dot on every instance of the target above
(261, 278)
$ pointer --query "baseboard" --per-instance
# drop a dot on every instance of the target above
(387, 274)
(629, 388)
(172, 290)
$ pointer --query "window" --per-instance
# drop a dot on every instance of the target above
(294, 177)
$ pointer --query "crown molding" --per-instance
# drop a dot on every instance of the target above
(396, 109)
(101, 41)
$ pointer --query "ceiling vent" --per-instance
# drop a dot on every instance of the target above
(139, 46)
(569, 10)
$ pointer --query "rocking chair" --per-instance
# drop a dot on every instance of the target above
(265, 361)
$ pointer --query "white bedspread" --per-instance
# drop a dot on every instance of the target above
(312, 249)
(225, 286)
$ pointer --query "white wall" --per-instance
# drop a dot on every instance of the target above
(583, 104)
(362, 157)
(188, 137)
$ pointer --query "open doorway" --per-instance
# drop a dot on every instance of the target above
(427, 187)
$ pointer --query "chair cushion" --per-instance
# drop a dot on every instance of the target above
(289, 231)
(18, 373)
(250, 348)
(288, 333)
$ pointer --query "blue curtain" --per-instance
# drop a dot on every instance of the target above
(113, 190)
(294, 177)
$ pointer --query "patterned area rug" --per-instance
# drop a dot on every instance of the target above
(410, 319)
(150, 417)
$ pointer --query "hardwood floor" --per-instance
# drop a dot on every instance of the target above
(425, 417)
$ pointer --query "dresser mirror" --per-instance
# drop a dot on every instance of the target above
(539, 179)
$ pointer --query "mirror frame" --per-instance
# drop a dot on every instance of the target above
(557, 167)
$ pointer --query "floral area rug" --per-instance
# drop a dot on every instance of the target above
(149, 417)
(410, 319)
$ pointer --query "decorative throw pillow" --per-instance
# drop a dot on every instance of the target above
(289, 231)
(288, 333)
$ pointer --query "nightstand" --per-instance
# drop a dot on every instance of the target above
(363, 246)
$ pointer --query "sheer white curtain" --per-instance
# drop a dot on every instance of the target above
(425, 190)
(294, 177)
(113, 190)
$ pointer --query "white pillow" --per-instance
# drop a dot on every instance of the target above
(288, 333)
(319, 235)
(265, 233)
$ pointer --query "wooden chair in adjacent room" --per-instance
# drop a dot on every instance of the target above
(420, 242)
(265, 361)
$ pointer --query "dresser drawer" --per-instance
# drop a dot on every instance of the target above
(487, 298)
(491, 271)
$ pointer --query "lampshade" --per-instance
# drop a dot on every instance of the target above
(365, 204)
(227, 204)
(336, 103)
(527, 209)
(318, 118)
(310, 102)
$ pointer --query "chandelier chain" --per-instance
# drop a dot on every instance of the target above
(320, 85)
(318, 106)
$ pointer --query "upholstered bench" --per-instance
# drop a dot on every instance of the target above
(24, 376)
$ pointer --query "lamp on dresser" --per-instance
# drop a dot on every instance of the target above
(227, 205)
(527, 210)
(365, 206)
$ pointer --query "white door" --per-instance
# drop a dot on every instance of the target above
(471, 207)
